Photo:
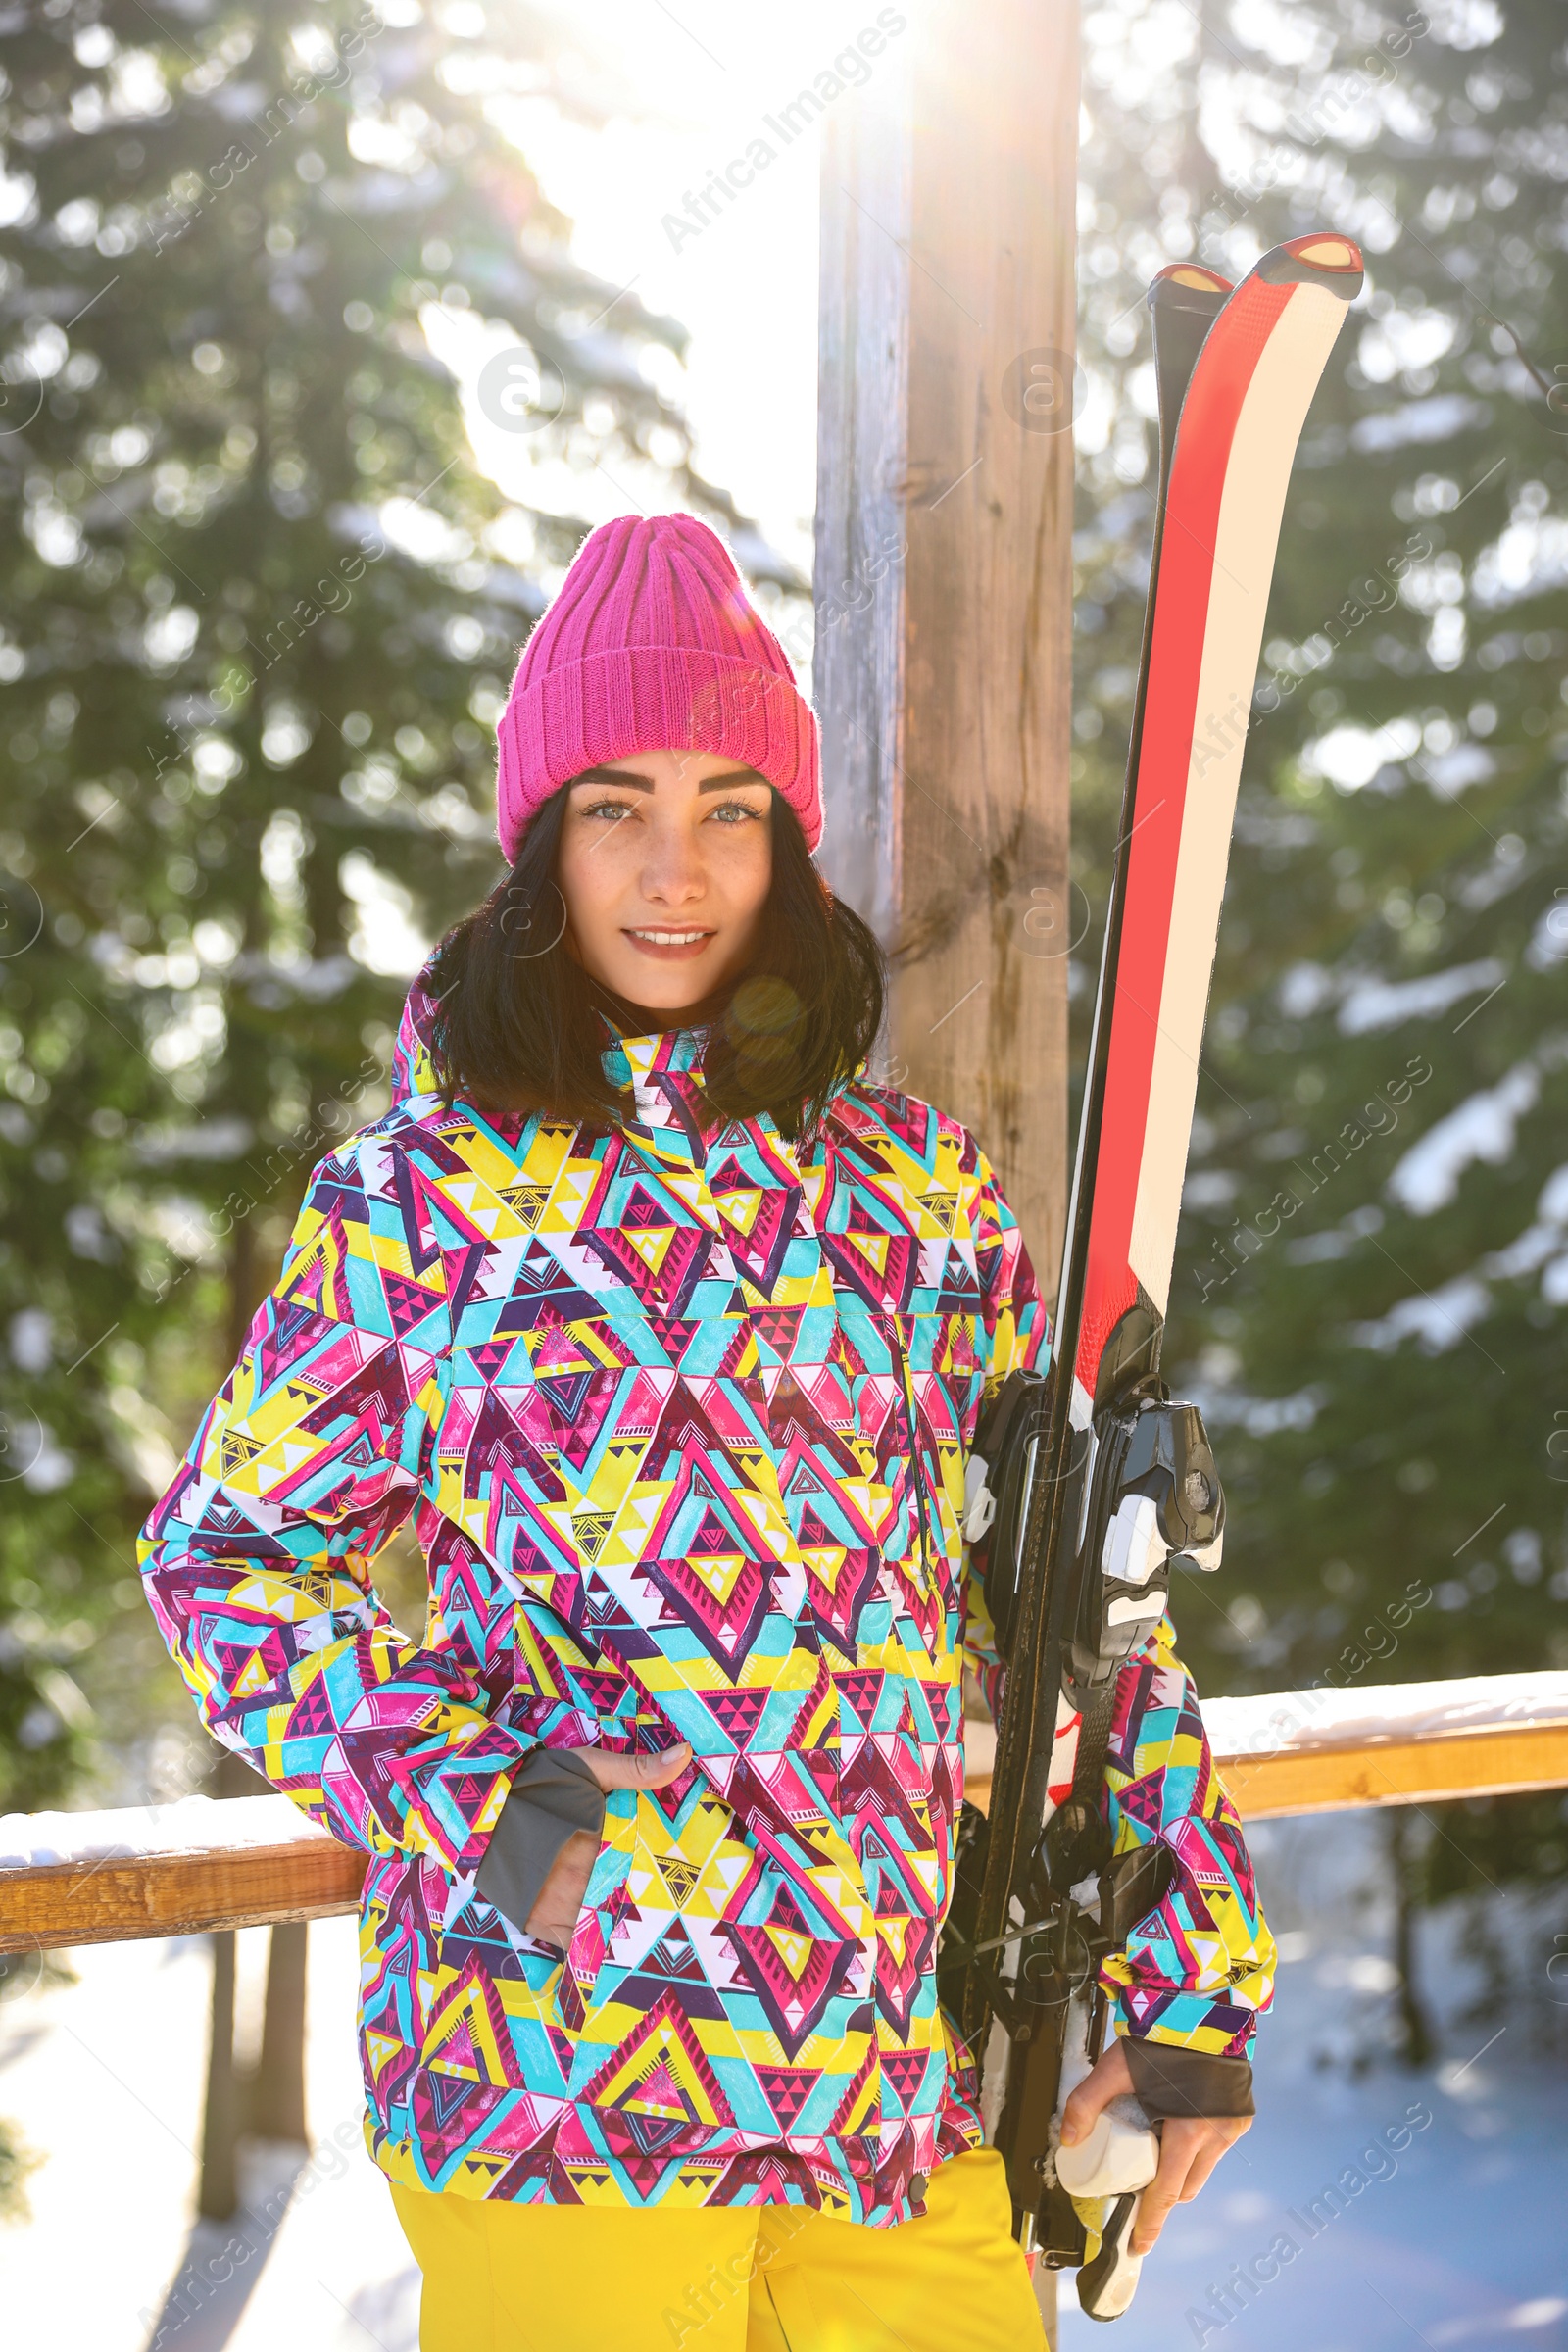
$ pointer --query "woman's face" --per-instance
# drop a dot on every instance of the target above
(665, 863)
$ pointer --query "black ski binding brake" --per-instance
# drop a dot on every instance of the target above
(1154, 1498)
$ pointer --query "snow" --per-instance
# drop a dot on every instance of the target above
(385, 936)
(1464, 24)
(1548, 942)
(1270, 1721)
(104, 2078)
(1401, 340)
(1260, 1416)
(186, 1826)
(1303, 987)
(1449, 772)
(1376, 1004)
(1526, 1252)
(1530, 557)
(1210, 1187)
(1455, 2238)
(1438, 1319)
(1439, 419)
(1480, 1128)
(1350, 757)
(1544, 1239)
(1322, 1249)
(1355, 758)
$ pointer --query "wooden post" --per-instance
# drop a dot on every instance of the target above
(223, 2103)
(943, 577)
(943, 581)
(268, 2100)
(218, 2190)
(278, 2087)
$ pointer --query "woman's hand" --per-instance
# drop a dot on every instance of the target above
(1190, 2146)
(554, 1916)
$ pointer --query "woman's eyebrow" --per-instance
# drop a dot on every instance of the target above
(614, 775)
(731, 775)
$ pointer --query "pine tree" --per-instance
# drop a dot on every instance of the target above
(1373, 1261)
(257, 615)
(256, 621)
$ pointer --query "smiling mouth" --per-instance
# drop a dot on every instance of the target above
(660, 941)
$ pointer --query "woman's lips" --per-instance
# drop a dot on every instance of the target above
(671, 945)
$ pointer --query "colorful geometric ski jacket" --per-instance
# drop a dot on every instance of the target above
(682, 1418)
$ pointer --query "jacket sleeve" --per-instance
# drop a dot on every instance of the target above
(1014, 1336)
(256, 1561)
(1199, 1969)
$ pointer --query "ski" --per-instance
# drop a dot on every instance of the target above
(1087, 1482)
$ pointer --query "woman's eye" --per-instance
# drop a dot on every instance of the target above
(733, 812)
(613, 809)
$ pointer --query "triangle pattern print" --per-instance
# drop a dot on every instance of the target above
(794, 1970)
(647, 1393)
(659, 2073)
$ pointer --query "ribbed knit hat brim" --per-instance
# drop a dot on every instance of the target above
(651, 643)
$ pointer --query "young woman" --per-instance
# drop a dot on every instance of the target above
(671, 1329)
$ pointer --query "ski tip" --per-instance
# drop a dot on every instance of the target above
(1192, 274)
(1188, 289)
(1324, 258)
(1330, 252)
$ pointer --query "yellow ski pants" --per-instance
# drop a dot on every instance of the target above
(728, 2279)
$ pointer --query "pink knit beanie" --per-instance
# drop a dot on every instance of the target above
(652, 644)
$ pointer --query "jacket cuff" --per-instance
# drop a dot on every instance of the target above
(1171, 2080)
(554, 1794)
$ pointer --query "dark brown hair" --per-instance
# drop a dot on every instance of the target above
(520, 1026)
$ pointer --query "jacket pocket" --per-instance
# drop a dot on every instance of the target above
(603, 1901)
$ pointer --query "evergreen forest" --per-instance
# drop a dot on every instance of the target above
(258, 611)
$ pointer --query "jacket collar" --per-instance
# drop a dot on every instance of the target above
(661, 1069)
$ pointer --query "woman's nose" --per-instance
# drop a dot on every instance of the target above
(671, 868)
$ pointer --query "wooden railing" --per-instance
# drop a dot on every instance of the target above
(1393, 1743)
(168, 1870)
